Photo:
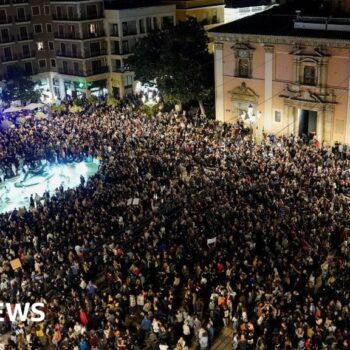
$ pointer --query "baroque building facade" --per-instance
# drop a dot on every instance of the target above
(292, 71)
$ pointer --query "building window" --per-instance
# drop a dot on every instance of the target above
(243, 60)
(42, 63)
(23, 33)
(49, 27)
(278, 116)
(309, 75)
(51, 46)
(35, 10)
(91, 10)
(115, 30)
(40, 45)
(21, 14)
(243, 68)
(142, 26)
(76, 67)
(125, 46)
(7, 52)
(92, 28)
(155, 23)
(127, 80)
(53, 63)
(38, 28)
(59, 12)
(28, 67)
(5, 35)
(3, 16)
(149, 24)
(47, 10)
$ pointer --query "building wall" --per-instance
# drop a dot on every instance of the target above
(280, 99)
(124, 28)
(208, 11)
(233, 14)
(76, 50)
(342, 5)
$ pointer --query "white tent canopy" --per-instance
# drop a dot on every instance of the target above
(33, 106)
(12, 109)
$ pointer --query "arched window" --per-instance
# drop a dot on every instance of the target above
(243, 68)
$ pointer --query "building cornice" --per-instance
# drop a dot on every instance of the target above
(279, 40)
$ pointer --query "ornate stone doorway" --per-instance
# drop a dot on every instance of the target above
(241, 97)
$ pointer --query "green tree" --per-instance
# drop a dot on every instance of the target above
(178, 61)
(19, 86)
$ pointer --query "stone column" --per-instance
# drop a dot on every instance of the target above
(320, 125)
(219, 82)
(52, 90)
(295, 70)
(268, 88)
(328, 125)
(288, 112)
(347, 122)
(62, 89)
(295, 117)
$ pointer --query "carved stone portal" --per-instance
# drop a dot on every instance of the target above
(242, 96)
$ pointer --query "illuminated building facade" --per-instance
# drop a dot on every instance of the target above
(293, 70)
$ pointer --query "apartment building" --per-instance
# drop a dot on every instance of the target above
(124, 26)
(76, 47)
(209, 12)
(25, 33)
(80, 47)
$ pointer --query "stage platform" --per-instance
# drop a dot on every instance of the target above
(16, 192)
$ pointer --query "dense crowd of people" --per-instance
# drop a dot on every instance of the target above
(220, 232)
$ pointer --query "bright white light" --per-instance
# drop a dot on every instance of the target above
(250, 110)
(67, 175)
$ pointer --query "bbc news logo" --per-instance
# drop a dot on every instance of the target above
(20, 312)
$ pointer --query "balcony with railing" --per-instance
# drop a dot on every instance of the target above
(77, 36)
(120, 51)
(129, 31)
(67, 71)
(6, 20)
(4, 2)
(96, 53)
(96, 71)
(9, 58)
(69, 54)
(7, 39)
(21, 19)
(25, 37)
(114, 33)
(76, 17)
(75, 54)
(25, 55)
(81, 73)
(20, 1)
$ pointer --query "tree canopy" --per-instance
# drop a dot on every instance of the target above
(178, 60)
(19, 86)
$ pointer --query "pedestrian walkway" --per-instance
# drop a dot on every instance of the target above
(224, 340)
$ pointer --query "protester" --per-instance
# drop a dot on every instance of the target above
(116, 273)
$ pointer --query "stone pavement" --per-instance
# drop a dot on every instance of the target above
(224, 340)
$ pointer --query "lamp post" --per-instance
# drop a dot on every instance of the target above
(252, 118)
